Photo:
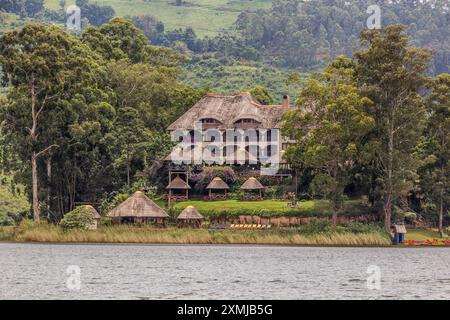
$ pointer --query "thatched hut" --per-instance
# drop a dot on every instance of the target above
(253, 189)
(138, 209)
(190, 217)
(217, 189)
(178, 189)
(96, 215)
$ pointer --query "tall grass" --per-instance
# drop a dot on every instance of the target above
(132, 234)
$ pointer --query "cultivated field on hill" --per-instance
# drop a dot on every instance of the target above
(206, 17)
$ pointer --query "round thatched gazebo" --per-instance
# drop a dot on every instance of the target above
(178, 190)
(96, 215)
(138, 209)
(253, 189)
(190, 217)
(217, 184)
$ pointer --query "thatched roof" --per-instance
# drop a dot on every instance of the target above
(138, 205)
(218, 184)
(228, 109)
(94, 212)
(178, 184)
(252, 184)
(190, 213)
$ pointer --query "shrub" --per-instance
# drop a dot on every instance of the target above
(357, 227)
(106, 221)
(410, 217)
(316, 226)
(5, 220)
(79, 218)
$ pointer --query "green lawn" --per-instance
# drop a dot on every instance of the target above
(423, 235)
(271, 207)
(206, 17)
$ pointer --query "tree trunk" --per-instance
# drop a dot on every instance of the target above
(49, 188)
(34, 155)
(441, 213)
(34, 175)
(334, 218)
(128, 175)
(389, 183)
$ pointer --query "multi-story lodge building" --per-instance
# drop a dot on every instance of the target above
(231, 130)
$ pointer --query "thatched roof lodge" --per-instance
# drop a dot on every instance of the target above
(228, 109)
(217, 184)
(252, 184)
(190, 216)
(138, 208)
(223, 112)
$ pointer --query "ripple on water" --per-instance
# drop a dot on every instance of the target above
(31, 271)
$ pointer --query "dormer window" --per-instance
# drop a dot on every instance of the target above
(247, 121)
(210, 121)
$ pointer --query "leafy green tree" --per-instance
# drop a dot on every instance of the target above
(262, 95)
(117, 39)
(47, 68)
(435, 173)
(131, 139)
(330, 134)
(23, 8)
(391, 74)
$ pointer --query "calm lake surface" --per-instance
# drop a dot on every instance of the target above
(39, 271)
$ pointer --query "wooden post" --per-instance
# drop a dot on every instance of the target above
(170, 196)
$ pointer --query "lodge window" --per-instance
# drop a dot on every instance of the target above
(210, 121)
(246, 120)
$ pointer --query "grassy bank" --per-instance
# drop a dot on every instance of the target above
(131, 234)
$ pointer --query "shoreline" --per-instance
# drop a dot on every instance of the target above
(149, 244)
(173, 236)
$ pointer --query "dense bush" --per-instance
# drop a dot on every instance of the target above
(79, 218)
(6, 220)
(321, 226)
(316, 226)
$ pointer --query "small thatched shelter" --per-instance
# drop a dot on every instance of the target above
(178, 189)
(250, 186)
(138, 209)
(96, 215)
(217, 184)
(190, 217)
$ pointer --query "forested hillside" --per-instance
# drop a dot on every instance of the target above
(240, 44)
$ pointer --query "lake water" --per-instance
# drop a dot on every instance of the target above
(31, 271)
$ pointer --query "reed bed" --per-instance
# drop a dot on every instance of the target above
(132, 234)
